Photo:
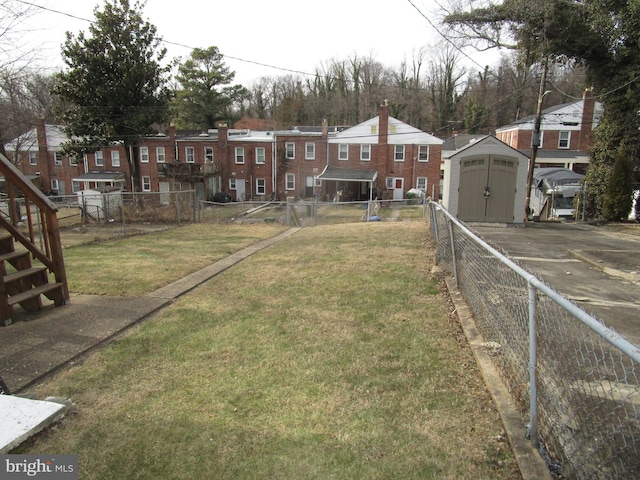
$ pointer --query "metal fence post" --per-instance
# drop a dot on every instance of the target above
(453, 253)
(532, 433)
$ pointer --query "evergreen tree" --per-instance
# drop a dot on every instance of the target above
(206, 96)
(114, 89)
(618, 196)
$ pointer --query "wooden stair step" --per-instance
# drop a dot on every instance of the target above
(20, 274)
(34, 292)
(13, 255)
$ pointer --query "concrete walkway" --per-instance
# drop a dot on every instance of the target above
(38, 344)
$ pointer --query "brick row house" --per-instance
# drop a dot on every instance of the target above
(381, 156)
(565, 134)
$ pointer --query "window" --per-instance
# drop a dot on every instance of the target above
(73, 161)
(75, 186)
(190, 154)
(208, 154)
(115, 158)
(421, 183)
(239, 154)
(365, 152)
(343, 151)
(374, 129)
(260, 155)
(99, 159)
(539, 139)
(57, 160)
(232, 184)
(54, 184)
(290, 150)
(290, 181)
(389, 183)
(423, 153)
(309, 151)
(144, 154)
(393, 128)
(160, 157)
(33, 158)
(146, 183)
(399, 154)
(564, 139)
(261, 186)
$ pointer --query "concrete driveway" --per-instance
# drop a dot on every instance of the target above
(596, 269)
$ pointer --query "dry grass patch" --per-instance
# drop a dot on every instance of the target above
(331, 354)
(141, 264)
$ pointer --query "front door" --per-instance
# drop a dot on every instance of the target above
(240, 195)
(308, 189)
(398, 188)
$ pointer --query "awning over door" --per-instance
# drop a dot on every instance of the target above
(348, 175)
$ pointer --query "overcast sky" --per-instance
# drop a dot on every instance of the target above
(291, 35)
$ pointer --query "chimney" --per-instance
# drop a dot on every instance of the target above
(325, 128)
(586, 124)
(383, 123)
(223, 134)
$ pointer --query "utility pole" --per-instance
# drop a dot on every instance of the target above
(535, 138)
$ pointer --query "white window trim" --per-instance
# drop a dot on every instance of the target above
(428, 153)
(144, 154)
(263, 188)
(115, 158)
(33, 158)
(232, 184)
(309, 155)
(160, 155)
(99, 158)
(426, 183)
(146, 183)
(189, 154)
(343, 148)
(264, 155)
(235, 155)
(293, 182)
(395, 153)
(57, 159)
(568, 132)
(362, 150)
(292, 150)
(54, 184)
(208, 154)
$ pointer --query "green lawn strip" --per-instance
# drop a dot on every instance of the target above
(141, 264)
(329, 355)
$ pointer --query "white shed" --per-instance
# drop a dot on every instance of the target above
(485, 180)
(100, 204)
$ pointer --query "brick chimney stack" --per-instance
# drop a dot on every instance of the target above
(586, 124)
(383, 123)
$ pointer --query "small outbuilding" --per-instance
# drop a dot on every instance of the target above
(485, 180)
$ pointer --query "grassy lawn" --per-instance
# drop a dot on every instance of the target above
(143, 263)
(331, 354)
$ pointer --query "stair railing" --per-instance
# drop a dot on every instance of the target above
(49, 250)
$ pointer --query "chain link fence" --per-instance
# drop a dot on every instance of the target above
(577, 380)
(92, 216)
(305, 213)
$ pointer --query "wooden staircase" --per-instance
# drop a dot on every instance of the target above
(24, 239)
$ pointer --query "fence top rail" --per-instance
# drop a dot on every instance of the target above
(593, 323)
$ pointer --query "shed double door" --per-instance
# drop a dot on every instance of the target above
(487, 189)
